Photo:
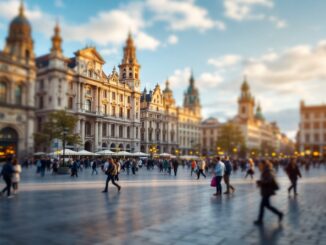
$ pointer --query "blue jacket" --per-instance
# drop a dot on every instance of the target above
(219, 168)
(228, 167)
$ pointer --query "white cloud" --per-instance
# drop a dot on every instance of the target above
(240, 10)
(182, 15)
(209, 80)
(145, 41)
(180, 78)
(109, 51)
(225, 61)
(173, 39)
(299, 63)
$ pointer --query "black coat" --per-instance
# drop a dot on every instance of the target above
(267, 183)
(293, 172)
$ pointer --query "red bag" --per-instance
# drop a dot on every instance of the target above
(213, 182)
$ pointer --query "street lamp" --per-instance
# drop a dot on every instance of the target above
(65, 132)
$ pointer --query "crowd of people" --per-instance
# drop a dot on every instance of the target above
(220, 167)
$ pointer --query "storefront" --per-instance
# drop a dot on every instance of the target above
(8, 142)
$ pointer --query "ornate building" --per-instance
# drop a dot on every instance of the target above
(189, 118)
(158, 121)
(312, 130)
(259, 135)
(107, 106)
(17, 82)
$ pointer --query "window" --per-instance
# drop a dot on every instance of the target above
(137, 115)
(105, 109)
(90, 73)
(124, 75)
(128, 99)
(113, 95)
(136, 75)
(316, 138)
(71, 86)
(306, 125)
(42, 84)
(70, 103)
(128, 132)
(39, 124)
(316, 125)
(112, 130)
(113, 111)
(88, 129)
(317, 115)
(88, 91)
(121, 131)
(306, 115)
(41, 103)
(121, 112)
(243, 109)
(136, 132)
(59, 101)
(121, 98)
(105, 94)
(130, 75)
(104, 133)
(307, 138)
(128, 113)
(88, 105)
(3, 92)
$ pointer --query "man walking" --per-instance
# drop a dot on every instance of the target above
(110, 170)
(6, 173)
(219, 173)
(227, 173)
(94, 167)
(201, 168)
(175, 164)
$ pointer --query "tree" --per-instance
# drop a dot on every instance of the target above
(230, 139)
(56, 124)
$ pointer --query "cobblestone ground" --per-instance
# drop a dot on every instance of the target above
(159, 209)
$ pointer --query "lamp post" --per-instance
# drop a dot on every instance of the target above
(65, 132)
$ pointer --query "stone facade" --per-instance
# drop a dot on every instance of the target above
(159, 121)
(107, 105)
(312, 130)
(17, 83)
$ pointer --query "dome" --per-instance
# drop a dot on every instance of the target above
(20, 20)
(244, 86)
(20, 26)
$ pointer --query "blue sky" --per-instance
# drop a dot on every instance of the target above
(278, 44)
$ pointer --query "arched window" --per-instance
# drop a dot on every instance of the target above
(88, 105)
(18, 94)
(3, 92)
(70, 103)
(88, 129)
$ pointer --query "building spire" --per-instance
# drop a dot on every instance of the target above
(21, 8)
(56, 40)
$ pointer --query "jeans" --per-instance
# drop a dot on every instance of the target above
(175, 171)
(200, 172)
(218, 184)
(7, 179)
(265, 203)
(110, 177)
(94, 171)
(227, 182)
(293, 185)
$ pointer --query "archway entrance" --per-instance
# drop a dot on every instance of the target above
(8, 142)
(112, 147)
(121, 147)
(88, 146)
(128, 148)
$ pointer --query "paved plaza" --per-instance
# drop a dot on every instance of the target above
(159, 209)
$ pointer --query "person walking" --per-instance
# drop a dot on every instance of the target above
(201, 168)
(227, 173)
(268, 186)
(118, 164)
(15, 178)
(110, 169)
(250, 168)
(94, 167)
(175, 164)
(74, 169)
(6, 173)
(193, 167)
(293, 173)
(219, 173)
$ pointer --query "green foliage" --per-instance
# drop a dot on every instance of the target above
(56, 124)
(230, 138)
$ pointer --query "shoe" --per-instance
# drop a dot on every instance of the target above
(119, 188)
(216, 194)
(11, 196)
(226, 192)
(296, 194)
(280, 217)
(258, 222)
(104, 191)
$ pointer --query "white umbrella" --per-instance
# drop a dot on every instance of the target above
(189, 157)
(140, 154)
(68, 152)
(40, 153)
(166, 155)
(122, 153)
(86, 153)
(105, 153)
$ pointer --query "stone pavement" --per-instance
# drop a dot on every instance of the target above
(158, 209)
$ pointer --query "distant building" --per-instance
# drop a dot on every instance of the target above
(259, 135)
(17, 83)
(107, 106)
(312, 130)
(158, 121)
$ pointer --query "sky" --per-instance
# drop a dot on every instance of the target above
(279, 45)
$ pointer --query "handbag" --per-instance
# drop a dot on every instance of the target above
(213, 182)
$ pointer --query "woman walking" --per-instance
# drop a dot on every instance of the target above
(111, 170)
(293, 172)
(268, 186)
(250, 169)
(16, 175)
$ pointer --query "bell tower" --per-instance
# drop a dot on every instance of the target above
(129, 67)
(56, 49)
(246, 102)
